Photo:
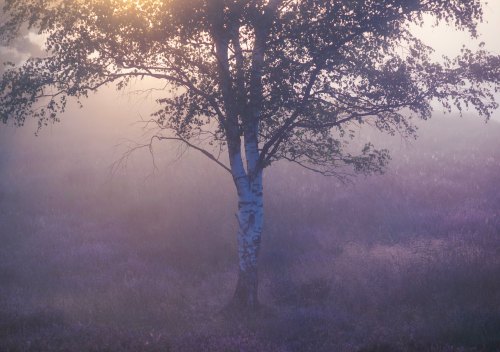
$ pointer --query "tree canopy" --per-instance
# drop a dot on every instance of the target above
(304, 71)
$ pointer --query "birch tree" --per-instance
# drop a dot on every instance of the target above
(250, 82)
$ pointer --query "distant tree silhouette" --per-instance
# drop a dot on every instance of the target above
(250, 82)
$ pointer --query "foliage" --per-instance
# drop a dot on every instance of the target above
(300, 73)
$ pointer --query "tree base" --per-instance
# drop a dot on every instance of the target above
(245, 299)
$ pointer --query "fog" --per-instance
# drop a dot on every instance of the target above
(101, 253)
(136, 258)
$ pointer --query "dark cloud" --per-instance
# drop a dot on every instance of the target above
(24, 46)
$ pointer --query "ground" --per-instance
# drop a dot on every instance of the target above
(407, 261)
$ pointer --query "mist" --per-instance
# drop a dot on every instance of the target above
(134, 256)
(110, 246)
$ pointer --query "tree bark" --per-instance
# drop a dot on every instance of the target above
(247, 180)
(250, 218)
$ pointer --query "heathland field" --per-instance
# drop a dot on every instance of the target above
(406, 261)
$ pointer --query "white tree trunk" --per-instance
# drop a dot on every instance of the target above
(250, 220)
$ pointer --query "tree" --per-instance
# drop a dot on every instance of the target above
(260, 80)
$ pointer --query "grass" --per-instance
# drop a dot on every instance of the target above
(408, 261)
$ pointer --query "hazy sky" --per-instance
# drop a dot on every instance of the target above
(446, 40)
